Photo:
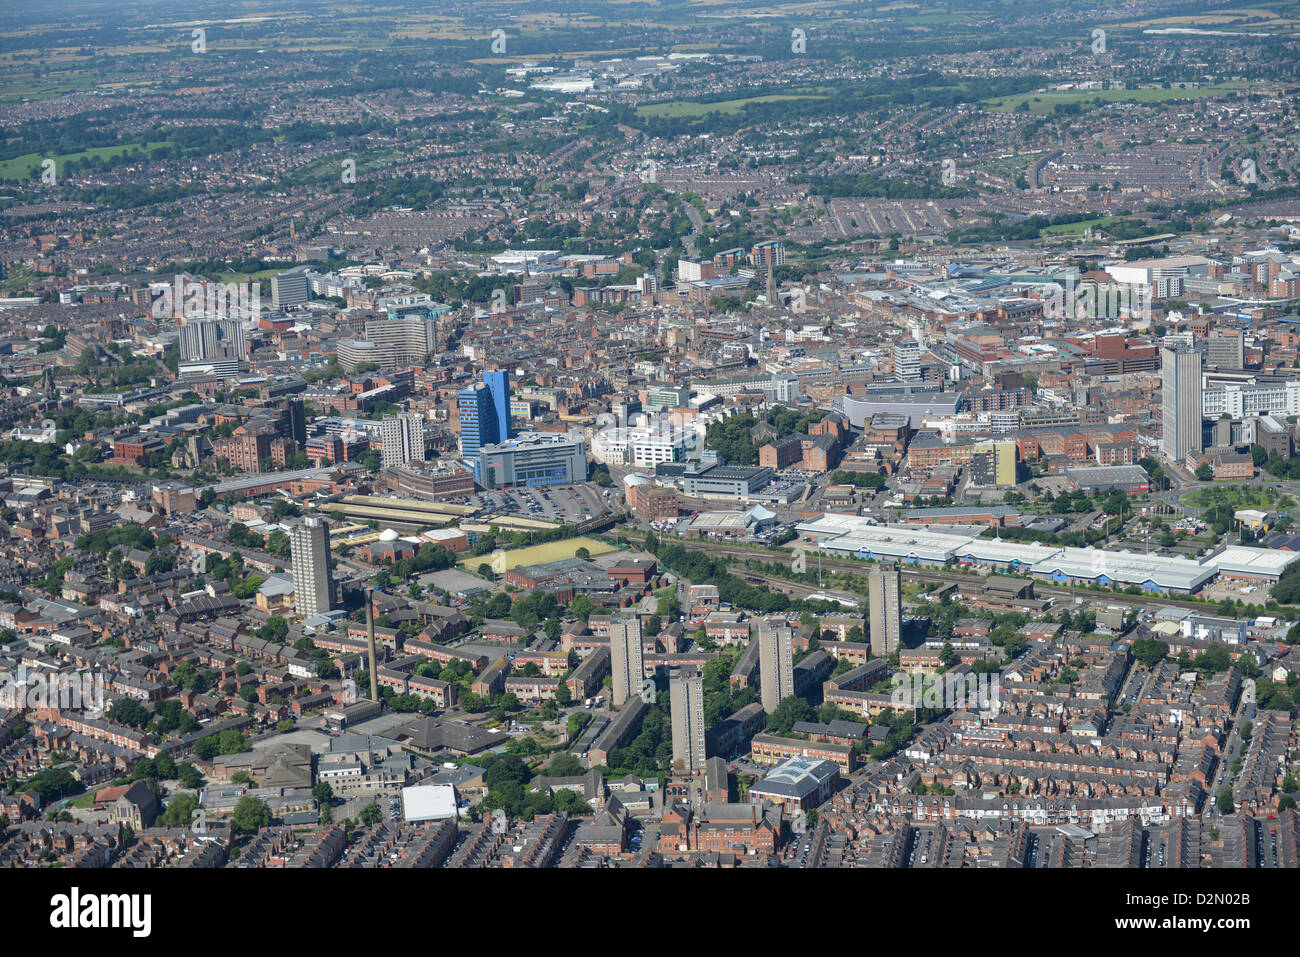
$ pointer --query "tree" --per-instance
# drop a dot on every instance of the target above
(1204, 472)
(371, 815)
(128, 711)
(180, 811)
(788, 713)
(276, 629)
(1150, 651)
(278, 544)
(189, 775)
(1225, 804)
(564, 765)
(251, 814)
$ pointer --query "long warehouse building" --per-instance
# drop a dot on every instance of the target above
(850, 535)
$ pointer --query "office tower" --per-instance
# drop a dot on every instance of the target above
(402, 341)
(1225, 352)
(212, 339)
(484, 411)
(886, 597)
(907, 360)
(474, 408)
(775, 663)
(498, 386)
(296, 417)
(686, 689)
(309, 550)
(402, 436)
(1180, 401)
(290, 288)
(625, 659)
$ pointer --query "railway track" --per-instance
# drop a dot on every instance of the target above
(850, 567)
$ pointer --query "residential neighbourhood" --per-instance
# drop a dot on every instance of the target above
(808, 440)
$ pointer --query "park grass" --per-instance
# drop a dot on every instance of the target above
(1077, 229)
(690, 109)
(1241, 496)
(539, 554)
(22, 167)
(249, 276)
(1045, 102)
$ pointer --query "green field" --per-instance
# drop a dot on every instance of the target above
(1241, 496)
(33, 89)
(538, 554)
(1011, 166)
(689, 109)
(1077, 229)
(1044, 102)
(22, 167)
(249, 277)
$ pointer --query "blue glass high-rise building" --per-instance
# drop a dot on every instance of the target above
(484, 416)
(498, 384)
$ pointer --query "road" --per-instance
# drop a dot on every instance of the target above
(697, 223)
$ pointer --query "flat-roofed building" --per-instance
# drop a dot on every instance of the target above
(885, 587)
(775, 663)
(1180, 402)
(686, 690)
(797, 784)
(626, 663)
(309, 548)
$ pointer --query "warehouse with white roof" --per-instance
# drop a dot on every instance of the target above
(857, 537)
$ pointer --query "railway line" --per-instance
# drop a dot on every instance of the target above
(850, 567)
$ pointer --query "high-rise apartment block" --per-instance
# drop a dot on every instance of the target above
(207, 339)
(907, 360)
(625, 659)
(309, 550)
(686, 690)
(775, 663)
(1180, 401)
(885, 594)
(403, 439)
